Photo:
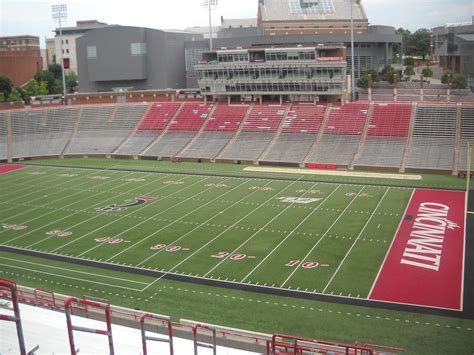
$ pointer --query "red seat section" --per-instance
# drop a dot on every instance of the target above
(226, 118)
(390, 120)
(304, 119)
(159, 115)
(348, 119)
(264, 118)
(191, 117)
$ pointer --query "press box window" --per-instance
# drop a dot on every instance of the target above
(92, 52)
(138, 48)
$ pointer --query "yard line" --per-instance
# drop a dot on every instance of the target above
(69, 196)
(355, 241)
(322, 237)
(257, 232)
(85, 209)
(199, 226)
(115, 221)
(71, 278)
(169, 224)
(56, 200)
(73, 271)
(224, 231)
(291, 233)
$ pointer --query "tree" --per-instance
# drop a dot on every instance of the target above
(427, 72)
(5, 86)
(409, 71)
(400, 50)
(57, 70)
(363, 82)
(375, 75)
(388, 74)
(48, 77)
(444, 78)
(30, 89)
(2, 97)
(15, 95)
(419, 43)
(43, 88)
(459, 82)
(409, 61)
(71, 81)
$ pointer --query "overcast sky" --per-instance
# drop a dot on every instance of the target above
(33, 17)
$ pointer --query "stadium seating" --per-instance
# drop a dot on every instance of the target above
(387, 135)
(467, 135)
(181, 130)
(103, 128)
(257, 132)
(3, 136)
(341, 135)
(299, 132)
(42, 132)
(219, 129)
(154, 123)
(433, 138)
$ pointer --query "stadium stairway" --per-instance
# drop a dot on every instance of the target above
(73, 132)
(276, 136)
(314, 146)
(158, 138)
(363, 136)
(466, 136)
(406, 153)
(457, 139)
(5, 135)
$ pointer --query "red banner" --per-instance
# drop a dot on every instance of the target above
(425, 263)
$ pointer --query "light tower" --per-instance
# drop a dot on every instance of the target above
(352, 52)
(210, 5)
(59, 14)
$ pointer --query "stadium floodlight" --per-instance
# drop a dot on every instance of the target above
(59, 12)
(210, 5)
(352, 52)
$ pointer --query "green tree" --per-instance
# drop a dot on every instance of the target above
(57, 70)
(48, 77)
(2, 97)
(409, 61)
(71, 81)
(375, 75)
(444, 78)
(427, 72)
(409, 71)
(459, 82)
(419, 43)
(400, 50)
(15, 95)
(30, 89)
(363, 82)
(43, 88)
(5, 86)
(57, 87)
(388, 74)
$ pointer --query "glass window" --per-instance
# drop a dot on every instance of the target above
(91, 52)
(138, 49)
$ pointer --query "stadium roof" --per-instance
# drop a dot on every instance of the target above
(238, 23)
(468, 38)
(288, 10)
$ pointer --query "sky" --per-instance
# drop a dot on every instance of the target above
(33, 17)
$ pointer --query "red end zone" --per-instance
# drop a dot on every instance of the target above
(425, 263)
(7, 168)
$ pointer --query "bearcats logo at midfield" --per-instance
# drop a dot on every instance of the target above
(140, 200)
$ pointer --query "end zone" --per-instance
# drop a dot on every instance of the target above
(6, 168)
(425, 264)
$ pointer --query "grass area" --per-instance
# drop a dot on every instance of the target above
(316, 236)
(429, 180)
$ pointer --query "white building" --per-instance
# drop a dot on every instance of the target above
(70, 34)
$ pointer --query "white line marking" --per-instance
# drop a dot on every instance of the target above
(356, 240)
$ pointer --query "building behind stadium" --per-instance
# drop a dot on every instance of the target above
(139, 58)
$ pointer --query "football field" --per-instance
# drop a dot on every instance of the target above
(307, 237)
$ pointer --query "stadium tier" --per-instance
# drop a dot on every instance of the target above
(395, 135)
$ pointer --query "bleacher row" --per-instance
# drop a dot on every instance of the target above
(401, 136)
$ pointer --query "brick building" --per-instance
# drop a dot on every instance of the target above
(20, 58)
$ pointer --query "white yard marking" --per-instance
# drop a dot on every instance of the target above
(116, 220)
(80, 211)
(356, 240)
(322, 237)
(290, 234)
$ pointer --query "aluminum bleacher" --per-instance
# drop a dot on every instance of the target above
(433, 137)
(181, 130)
(154, 123)
(42, 132)
(387, 135)
(467, 136)
(103, 128)
(341, 134)
(3, 136)
(219, 129)
(299, 132)
(257, 132)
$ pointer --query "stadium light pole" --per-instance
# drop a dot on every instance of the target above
(60, 13)
(352, 52)
(210, 5)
